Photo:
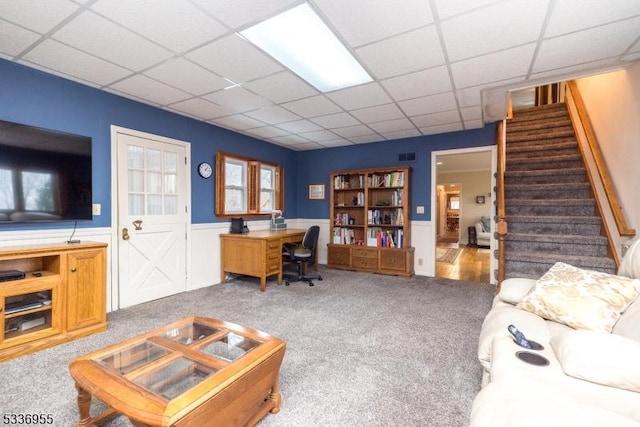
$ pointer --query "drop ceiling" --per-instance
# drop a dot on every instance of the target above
(438, 66)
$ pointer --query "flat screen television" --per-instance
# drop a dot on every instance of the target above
(45, 175)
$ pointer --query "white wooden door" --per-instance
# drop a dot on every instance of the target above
(152, 217)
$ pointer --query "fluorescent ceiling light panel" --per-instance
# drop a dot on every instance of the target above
(303, 43)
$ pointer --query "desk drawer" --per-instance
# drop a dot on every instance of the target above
(273, 261)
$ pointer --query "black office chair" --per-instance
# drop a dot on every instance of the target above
(303, 256)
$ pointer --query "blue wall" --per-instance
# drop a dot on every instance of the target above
(36, 98)
(315, 166)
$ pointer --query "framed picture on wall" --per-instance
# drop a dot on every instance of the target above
(316, 191)
(480, 200)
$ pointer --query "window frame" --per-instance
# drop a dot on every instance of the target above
(253, 186)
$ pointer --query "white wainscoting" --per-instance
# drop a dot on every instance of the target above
(203, 268)
(423, 239)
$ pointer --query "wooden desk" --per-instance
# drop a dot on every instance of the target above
(257, 253)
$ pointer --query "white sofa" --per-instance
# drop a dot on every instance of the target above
(592, 377)
(483, 238)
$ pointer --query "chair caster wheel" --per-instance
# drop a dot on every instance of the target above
(286, 283)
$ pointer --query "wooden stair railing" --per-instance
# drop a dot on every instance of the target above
(603, 171)
(501, 220)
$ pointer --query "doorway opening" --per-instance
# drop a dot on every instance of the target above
(462, 180)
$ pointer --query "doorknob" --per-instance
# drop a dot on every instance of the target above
(137, 224)
(125, 234)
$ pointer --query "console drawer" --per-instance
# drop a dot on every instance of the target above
(364, 262)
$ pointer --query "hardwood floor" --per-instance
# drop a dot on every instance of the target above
(472, 264)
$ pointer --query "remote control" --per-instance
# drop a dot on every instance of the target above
(518, 337)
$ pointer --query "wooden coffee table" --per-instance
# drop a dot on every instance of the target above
(194, 372)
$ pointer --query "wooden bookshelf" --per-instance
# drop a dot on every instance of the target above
(370, 221)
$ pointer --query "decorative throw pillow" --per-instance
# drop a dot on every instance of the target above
(514, 289)
(486, 223)
(582, 299)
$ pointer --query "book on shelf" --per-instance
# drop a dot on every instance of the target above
(385, 238)
(345, 182)
(343, 236)
(392, 179)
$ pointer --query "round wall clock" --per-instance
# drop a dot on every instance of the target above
(205, 170)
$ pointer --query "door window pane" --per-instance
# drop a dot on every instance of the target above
(154, 160)
(135, 157)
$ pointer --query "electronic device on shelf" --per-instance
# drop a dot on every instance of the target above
(7, 275)
(22, 306)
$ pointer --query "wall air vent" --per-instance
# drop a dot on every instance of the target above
(406, 157)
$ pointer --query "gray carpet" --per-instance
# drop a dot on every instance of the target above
(362, 349)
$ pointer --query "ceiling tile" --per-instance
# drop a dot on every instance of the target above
(281, 87)
(237, 99)
(335, 143)
(498, 66)
(96, 35)
(471, 113)
(481, 31)
(403, 54)
(187, 76)
(428, 104)
(234, 59)
(448, 8)
(365, 21)
(392, 125)
(273, 115)
(608, 41)
(312, 107)
(233, 14)
(146, 88)
(351, 131)
(187, 51)
(36, 15)
(399, 134)
(574, 15)
(441, 118)
(378, 113)
(70, 61)
(288, 140)
(299, 126)
(469, 96)
(421, 83)
(237, 121)
(366, 139)
(177, 25)
(473, 124)
(361, 96)
(15, 39)
(197, 107)
(267, 132)
(576, 71)
(432, 130)
(320, 135)
(337, 120)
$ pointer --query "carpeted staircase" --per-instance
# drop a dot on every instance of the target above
(551, 212)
